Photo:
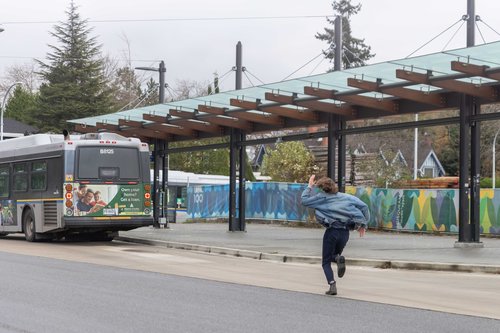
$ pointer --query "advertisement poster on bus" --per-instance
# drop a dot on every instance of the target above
(7, 213)
(109, 200)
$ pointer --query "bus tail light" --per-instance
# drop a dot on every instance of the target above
(147, 195)
(69, 187)
(147, 188)
(147, 203)
(69, 196)
(69, 203)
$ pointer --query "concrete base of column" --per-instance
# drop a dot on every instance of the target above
(468, 245)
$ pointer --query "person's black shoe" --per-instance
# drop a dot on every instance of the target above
(332, 290)
(340, 266)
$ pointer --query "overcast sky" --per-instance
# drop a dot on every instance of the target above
(273, 48)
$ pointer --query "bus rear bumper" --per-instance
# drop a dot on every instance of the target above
(109, 223)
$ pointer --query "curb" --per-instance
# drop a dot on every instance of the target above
(374, 263)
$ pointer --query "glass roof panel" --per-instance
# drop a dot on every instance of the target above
(439, 63)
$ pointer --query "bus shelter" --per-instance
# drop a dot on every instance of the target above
(461, 79)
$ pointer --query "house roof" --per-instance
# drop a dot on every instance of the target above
(14, 128)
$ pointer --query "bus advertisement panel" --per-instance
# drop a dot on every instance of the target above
(108, 200)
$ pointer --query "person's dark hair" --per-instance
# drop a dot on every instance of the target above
(327, 185)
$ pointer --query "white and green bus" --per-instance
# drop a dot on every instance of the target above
(89, 187)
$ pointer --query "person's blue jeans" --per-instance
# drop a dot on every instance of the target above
(334, 241)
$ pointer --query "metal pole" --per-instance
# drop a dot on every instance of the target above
(239, 65)
(471, 21)
(241, 192)
(162, 71)
(337, 61)
(494, 171)
(232, 179)
(415, 151)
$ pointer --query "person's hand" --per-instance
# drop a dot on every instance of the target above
(311, 180)
(362, 232)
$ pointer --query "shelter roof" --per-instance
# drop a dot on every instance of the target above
(411, 85)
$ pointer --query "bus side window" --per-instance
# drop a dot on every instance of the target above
(20, 177)
(4, 181)
(39, 176)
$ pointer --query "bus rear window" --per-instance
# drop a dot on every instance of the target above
(104, 163)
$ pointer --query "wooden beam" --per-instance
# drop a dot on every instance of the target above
(435, 99)
(202, 126)
(85, 128)
(319, 92)
(137, 127)
(231, 122)
(108, 127)
(299, 114)
(386, 105)
(182, 114)
(474, 70)
(155, 118)
(481, 91)
(346, 109)
(340, 109)
(279, 98)
(262, 117)
(164, 128)
(211, 109)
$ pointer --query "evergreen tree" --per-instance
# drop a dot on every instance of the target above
(22, 106)
(151, 95)
(355, 52)
(74, 85)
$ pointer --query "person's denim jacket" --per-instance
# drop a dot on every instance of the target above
(338, 210)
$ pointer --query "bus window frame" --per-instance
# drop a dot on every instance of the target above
(20, 174)
(8, 178)
(33, 172)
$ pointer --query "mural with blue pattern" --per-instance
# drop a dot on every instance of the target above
(396, 209)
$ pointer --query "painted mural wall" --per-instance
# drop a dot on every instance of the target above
(409, 210)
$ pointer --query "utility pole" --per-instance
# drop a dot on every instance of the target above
(159, 149)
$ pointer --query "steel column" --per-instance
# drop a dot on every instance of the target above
(475, 173)
(241, 191)
(332, 128)
(156, 192)
(341, 144)
(463, 207)
(233, 150)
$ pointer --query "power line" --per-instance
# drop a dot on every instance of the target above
(182, 19)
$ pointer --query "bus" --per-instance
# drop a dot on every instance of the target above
(89, 186)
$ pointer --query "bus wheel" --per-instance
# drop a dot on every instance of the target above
(29, 226)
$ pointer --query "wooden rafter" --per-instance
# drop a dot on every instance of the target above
(137, 127)
(85, 128)
(299, 114)
(182, 114)
(231, 122)
(434, 99)
(474, 70)
(263, 118)
(482, 91)
(211, 109)
(162, 124)
(202, 126)
(369, 102)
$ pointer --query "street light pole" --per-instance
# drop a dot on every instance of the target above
(493, 171)
(2, 108)
(161, 69)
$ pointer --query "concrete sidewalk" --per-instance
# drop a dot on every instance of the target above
(293, 244)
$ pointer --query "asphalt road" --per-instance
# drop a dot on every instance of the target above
(118, 287)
